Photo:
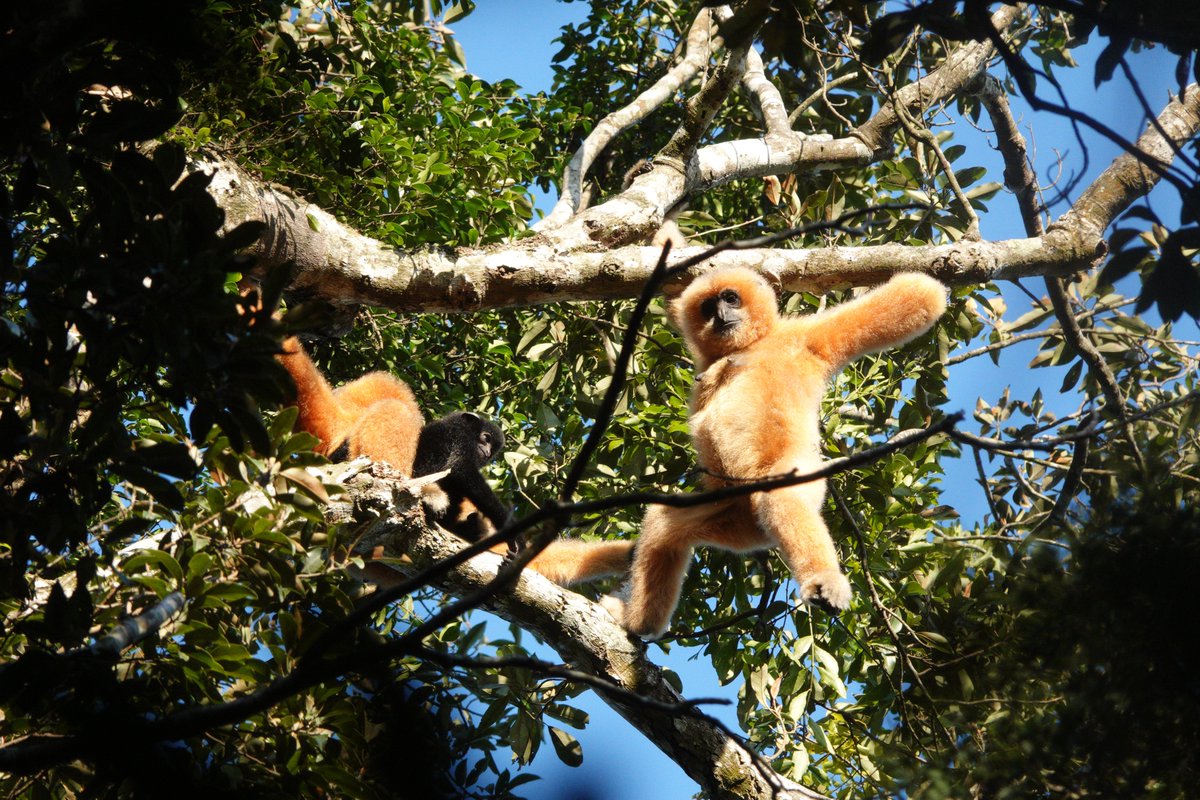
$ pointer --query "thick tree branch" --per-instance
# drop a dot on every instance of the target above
(337, 264)
(1128, 178)
(1018, 174)
(590, 641)
(340, 265)
(765, 93)
(962, 68)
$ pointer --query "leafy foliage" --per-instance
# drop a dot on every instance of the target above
(1019, 651)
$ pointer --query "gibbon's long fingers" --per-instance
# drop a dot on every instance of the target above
(792, 517)
(902, 309)
(567, 562)
(388, 431)
(319, 413)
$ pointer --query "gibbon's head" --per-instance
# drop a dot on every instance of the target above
(467, 432)
(724, 311)
(489, 439)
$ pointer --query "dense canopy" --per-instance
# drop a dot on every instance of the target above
(182, 600)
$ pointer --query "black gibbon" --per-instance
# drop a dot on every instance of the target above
(377, 416)
(754, 413)
(464, 443)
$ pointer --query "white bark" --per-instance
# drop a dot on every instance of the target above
(342, 266)
(701, 42)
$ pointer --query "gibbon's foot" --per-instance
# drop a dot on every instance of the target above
(828, 591)
(515, 546)
(616, 607)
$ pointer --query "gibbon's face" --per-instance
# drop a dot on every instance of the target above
(725, 311)
(489, 441)
(487, 447)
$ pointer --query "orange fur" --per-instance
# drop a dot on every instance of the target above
(375, 415)
(754, 413)
(565, 562)
(378, 417)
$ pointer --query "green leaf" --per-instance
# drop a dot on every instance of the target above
(566, 747)
(1072, 377)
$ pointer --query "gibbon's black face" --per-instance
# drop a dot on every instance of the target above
(724, 311)
(489, 441)
(487, 447)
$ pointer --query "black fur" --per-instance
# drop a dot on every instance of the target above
(463, 442)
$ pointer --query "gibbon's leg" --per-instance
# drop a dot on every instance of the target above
(570, 562)
(388, 431)
(792, 517)
(892, 314)
(662, 556)
(466, 481)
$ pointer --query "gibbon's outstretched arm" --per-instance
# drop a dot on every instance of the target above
(755, 412)
(464, 504)
(375, 416)
(887, 316)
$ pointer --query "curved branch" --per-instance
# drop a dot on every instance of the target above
(766, 94)
(1128, 178)
(340, 265)
(591, 642)
(640, 210)
(702, 41)
(960, 71)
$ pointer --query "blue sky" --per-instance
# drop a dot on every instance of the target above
(515, 39)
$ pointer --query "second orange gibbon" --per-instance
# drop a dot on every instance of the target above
(755, 411)
(377, 416)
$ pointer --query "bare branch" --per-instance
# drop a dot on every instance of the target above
(1128, 178)
(770, 102)
(1097, 365)
(1021, 180)
(922, 134)
(702, 41)
(133, 630)
(1018, 175)
(961, 69)
(821, 93)
(591, 642)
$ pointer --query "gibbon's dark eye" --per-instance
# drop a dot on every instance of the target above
(709, 308)
(731, 298)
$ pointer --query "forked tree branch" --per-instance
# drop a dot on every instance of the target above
(701, 42)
